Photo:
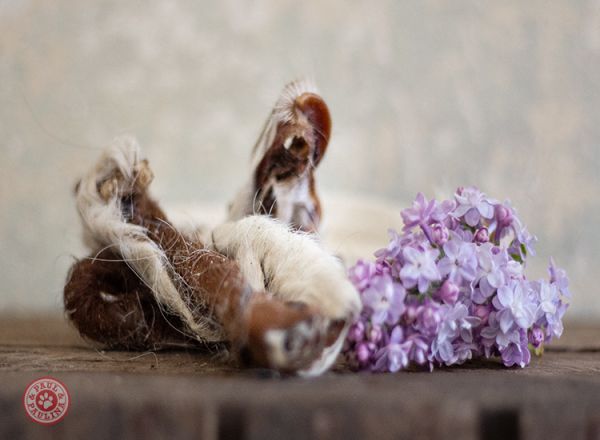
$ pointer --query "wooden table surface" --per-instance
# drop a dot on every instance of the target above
(192, 394)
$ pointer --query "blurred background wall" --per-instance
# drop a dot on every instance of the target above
(425, 95)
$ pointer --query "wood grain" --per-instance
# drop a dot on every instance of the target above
(183, 394)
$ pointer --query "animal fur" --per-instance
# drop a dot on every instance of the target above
(284, 159)
(274, 295)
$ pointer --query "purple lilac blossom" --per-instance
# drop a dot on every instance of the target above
(514, 305)
(472, 204)
(459, 262)
(559, 278)
(448, 292)
(394, 355)
(362, 273)
(420, 212)
(419, 268)
(439, 234)
(451, 287)
(385, 299)
(517, 353)
(482, 236)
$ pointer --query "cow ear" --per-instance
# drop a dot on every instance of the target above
(315, 110)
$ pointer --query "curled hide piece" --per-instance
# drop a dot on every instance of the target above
(269, 292)
(291, 145)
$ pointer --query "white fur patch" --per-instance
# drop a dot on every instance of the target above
(294, 266)
(284, 107)
(108, 297)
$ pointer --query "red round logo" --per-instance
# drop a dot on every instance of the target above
(46, 400)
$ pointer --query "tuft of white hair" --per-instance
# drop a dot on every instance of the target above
(284, 107)
(105, 227)
(291, 265)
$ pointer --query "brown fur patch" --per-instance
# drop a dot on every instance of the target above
(109, 304)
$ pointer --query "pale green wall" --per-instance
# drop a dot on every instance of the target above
(425, 95)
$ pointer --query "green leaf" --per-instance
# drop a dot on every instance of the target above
(523, 249)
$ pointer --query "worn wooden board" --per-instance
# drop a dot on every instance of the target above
(184, 394)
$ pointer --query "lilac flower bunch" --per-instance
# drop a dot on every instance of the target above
(451, 287)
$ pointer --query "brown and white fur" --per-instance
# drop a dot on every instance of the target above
(274, 295)
(290, 147)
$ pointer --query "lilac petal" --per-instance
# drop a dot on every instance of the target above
(397, 357)
(522, 321)
(506, 321)
(396, 308)
(379, 317)
(468, 273)
(411, 254)
(548, 307)
(466, 336)
(557, 328)
(423, 285)
(409, 283)
(477, 297)
(394, 364)
(445, 266)
(397, 335)
(508, 356)
(513, 269)
(485, 209)
(505, 296)
(370, 297)
(430, 271)
(485, 257)
(526, 358)
(451, 248)
(503, 339)
(446, 351)
(381, 364)
(526, 319)
(419, 357)
(409, 272)
(461, 210)
(489, 332)
(496, 278)
(472, 217)
(486, 288)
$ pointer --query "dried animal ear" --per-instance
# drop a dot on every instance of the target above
(313, 107)
(291, 145)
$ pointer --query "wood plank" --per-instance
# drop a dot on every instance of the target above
(183, 394)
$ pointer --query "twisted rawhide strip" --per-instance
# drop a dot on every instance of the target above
(275, 296)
